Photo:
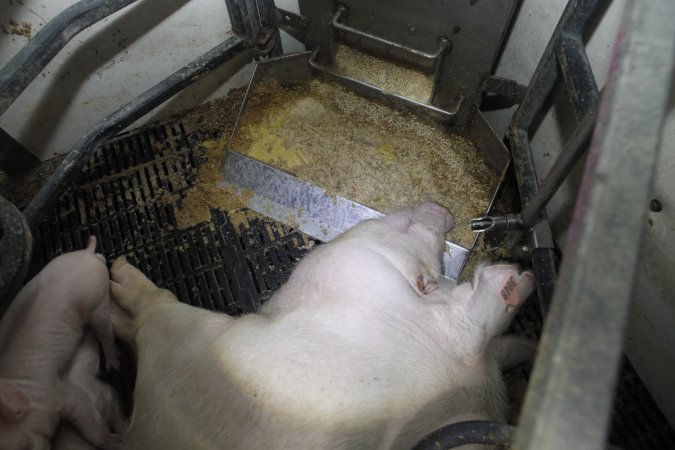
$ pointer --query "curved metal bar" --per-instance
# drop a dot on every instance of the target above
(69, 169)
(443, 46)
(370, 90)
(469, 432)
(29, 62)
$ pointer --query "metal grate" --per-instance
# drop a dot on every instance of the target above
(122, 199)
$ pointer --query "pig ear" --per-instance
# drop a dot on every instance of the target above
(13, 403)
(511, 351)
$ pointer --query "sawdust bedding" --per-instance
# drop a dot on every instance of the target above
(368, 153)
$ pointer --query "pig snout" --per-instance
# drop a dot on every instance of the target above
(434, 214)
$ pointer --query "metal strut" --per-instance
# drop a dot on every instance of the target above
(571, 391)
(565, 55)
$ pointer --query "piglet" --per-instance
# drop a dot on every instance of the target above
(364, 347)
(67, 438)
(39, 335)
(82, 374)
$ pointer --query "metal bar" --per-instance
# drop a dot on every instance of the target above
(443, 44)
(523, 164)
(244, 18)
(309, 208)
(294, 24)
(573, 150)
(238, 17)
(268, 19)
(373, 91)
(469, 432)
(573, 22)
(504, 87)
(69, 169)
(569, 400)
(544, 265)
(36, 54)
(577, 73)
(574, 19)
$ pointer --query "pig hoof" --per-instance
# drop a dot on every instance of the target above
(426, 284)
(128, 276)
(112, 360)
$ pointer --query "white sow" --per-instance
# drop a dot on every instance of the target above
(363, 348)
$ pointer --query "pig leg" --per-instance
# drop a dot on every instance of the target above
(109, 405)
(101, 324)
(131, 289)
(426, 283)
(67, 438)
(83, 415)
(122, 322)
(511, 351)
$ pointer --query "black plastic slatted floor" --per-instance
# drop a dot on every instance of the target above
(121, 199)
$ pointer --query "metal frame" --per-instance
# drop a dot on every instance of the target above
(570, 395)
(569, 400)
(447, 37)
(69, 169)
(469, 432)
(565, 54)
(21, 70)
(255, 25)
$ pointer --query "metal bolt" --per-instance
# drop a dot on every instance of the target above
(655, 205)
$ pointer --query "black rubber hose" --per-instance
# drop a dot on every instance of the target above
(470, 432)
(21, 70)
(473, 432)
(70, 169)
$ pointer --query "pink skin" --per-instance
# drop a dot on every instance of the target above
(365, 346)
(482, 309)
(82, 374)
(39, 335)
(67, 438)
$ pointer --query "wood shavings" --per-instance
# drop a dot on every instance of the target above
(215, 118)
(370, 153)
(388, 76)
(209, 192)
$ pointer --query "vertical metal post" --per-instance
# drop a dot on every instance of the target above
(569, 400)
(564, 54)
(268, 20)
(244, 18)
